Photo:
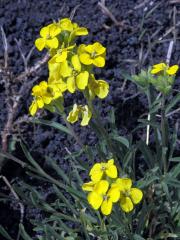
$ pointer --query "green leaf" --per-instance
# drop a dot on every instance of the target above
(23, 233)
(53, 125)
(148, 155)
(137, 237)
(174, 159)
(4, 233)
(172, 103)
(175, 171)
(120, 139)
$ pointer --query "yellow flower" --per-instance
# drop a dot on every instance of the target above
(172, 70)
(59, 70)
(99, 197)
(92, 54)
(57, 87)
(79, 79)
(61, 55)
(99, 88)
(80, 111)
(41, 95)
(79, 31)
(99, 169)
(158, 68)
(48, 37)
(67, 25)
(128, 196)
(89, 186)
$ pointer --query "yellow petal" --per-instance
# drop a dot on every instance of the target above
(106, 207)
(82, 80)
(44, 32)
(113, 194)
(40, 43)
(65, 70)
(95, 199)
(54, 30)
(126, 204)
(136, 195)
(76, 63)
(81, 49)
(89, 48)
(40, 102)
(172, 70)
(86, 59)
(98, 48)
(111, 171)
(96, 172)
(61, 57)
(57, 83)
(66, 24)
(124, 183)
(89, 186)
(47, 99)
(43, 85)
(86, 116)
(101, 187)
(102, 89)
(36, 90)
(99, 61)
(74, 114)
(158, 68)
(71, 84)
(55, 91)
(81, 31)
(33, 108)
(110, 162)
(52, 43)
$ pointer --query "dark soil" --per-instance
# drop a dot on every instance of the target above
(143, 25)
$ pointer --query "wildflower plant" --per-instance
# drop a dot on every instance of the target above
(134, 195)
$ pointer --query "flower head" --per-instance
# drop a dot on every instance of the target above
(48, 37)
(80, 111)
(67, 25)
(61, 54)
(92, 54)
(99, 88)
(56, 86)
(128, 196)
(100, 196)
(79, 78)
(162, 67)
(99, 169)
(42, 96)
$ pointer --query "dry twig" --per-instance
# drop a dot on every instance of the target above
(17, 198)
(108, 13)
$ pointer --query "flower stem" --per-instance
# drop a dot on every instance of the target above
(98, 123)
(61, 112)
(164, 134)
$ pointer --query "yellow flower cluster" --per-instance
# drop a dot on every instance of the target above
(105, 188)
(164, 68)
(70, 69)
(163, 77)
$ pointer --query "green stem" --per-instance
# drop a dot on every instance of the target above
(61, 112)
(101, 128)
(164, 134)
